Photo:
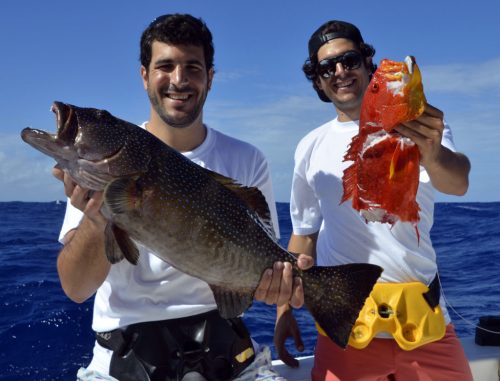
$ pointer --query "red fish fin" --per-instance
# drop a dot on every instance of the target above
(402, 161)
(354, 147)
(231, 303)
(395, 161)
(349, 182)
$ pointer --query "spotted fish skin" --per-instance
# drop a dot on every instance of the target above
(382, 180)
(204, 224)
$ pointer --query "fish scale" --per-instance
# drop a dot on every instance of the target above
(200, 222)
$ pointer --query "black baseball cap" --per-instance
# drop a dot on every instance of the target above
(343, 30)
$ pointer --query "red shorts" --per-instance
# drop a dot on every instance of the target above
(384, 360)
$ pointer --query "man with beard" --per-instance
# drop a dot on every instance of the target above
(153, 322)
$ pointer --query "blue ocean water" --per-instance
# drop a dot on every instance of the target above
(45, 336)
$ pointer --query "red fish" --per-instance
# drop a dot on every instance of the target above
(383, 179)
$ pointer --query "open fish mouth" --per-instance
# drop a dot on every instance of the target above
(59, 145)
(48, 144)
(66, 122)
(75, 151)
(410, 63)
(67, 144)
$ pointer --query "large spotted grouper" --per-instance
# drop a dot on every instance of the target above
(200, 222)
(382, 180)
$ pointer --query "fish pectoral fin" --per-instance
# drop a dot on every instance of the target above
(402, 160)
(396, 155)
(251, 196)
(122, 195)
(335, 295)
(231, 304)
(118, 245)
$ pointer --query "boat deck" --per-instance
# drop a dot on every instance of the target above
(484, 362)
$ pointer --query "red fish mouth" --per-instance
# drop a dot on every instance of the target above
(410, 63)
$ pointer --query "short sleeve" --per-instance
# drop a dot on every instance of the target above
(305, 210)
(447, 139)
(71, 221)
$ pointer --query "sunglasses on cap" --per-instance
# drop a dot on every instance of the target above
(350, 60)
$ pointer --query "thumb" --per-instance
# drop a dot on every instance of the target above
(305, 261)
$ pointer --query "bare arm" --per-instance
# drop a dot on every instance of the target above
(448, 171)
(82, 265)
(286, 325)
(304, 244)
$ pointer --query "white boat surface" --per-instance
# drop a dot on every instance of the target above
(483, 360)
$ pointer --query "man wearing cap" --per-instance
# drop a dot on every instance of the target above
(333, 233)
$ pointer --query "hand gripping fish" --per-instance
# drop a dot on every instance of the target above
(198, 221)
(383, 179)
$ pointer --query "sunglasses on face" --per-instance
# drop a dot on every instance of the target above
(350, 61)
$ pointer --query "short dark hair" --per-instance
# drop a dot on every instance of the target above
(177, 29)
(329, 31)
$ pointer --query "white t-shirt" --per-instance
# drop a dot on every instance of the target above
(153, 290)
(344, 235)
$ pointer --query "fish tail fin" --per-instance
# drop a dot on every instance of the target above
(335, 295)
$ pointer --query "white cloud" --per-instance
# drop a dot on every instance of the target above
(464, 78)
(26, 173)
(274, 127)
(227, 76)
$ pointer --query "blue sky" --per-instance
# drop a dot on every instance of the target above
(86, 53)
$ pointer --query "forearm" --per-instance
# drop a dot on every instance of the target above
(82, 264)
(303, 244)
(450, 172)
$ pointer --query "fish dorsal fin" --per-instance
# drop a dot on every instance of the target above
(251, 196)
(231, 304)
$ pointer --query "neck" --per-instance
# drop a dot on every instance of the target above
(347, 115)
(182, 139)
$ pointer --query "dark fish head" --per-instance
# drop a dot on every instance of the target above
(91, 144)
